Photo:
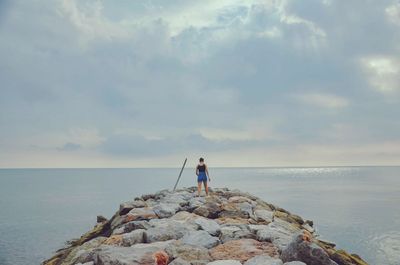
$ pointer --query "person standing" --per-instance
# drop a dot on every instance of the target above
(202, 175)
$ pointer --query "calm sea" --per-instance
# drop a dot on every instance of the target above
(356, 207)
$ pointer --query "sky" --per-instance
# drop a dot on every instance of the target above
(242, 83)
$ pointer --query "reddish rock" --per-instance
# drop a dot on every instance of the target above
(243, 249)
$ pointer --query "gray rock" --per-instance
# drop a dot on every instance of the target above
(134, 255)
(225, 262)
(189, 253)
(83, 253)
(166, 229)
(232, 232)
(263, 260)
(131, 238)
(101, 219)
(200, 238)
(309, 253)
(279, 232)
(179, 261)
(294, 263)
(165, 210)
(263, 215)
(125, 207)
(209, 226)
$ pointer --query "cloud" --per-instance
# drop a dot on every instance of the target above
(324, 100)
(142, 83)
(70, 147)
(384, 72)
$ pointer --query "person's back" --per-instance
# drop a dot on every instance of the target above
(202, 175)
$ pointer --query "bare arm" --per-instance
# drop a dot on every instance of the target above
(208, 175)
(197, 170)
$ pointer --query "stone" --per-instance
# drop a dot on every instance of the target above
(263, 260)
(165, 210)
(232, 232)
(144, 213)
(189, 253)
(101, 219)
(294, 263)
(131, 238)
(279, 232)
(309, 253)
(166, 229)
(84, 252)
(243, 250)
(137, 254)
(179, 261)
(263, 215)
(125, 207)
(208, 210)
(210, 226)
(225, 262)
(200, 238)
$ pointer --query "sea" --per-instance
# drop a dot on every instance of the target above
(358, 208)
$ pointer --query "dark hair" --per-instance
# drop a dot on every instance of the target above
(201, 159)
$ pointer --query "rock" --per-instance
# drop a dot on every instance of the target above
(234, 210)
(263, 215)
(243, 249)
(231, 232)
(144, 213)
(279, 232)
(86, 263)
(200, 238)
(84, 252)
(209, 226)
(294, 263)
(101, 219)
(238, 199)
(263, 260)
(131, 238)
(162, 231)
(309, 253)
(179, 261)
(208, 210)
(165, 210)
(137, 254)
(188, 253)
(225, 262)
(125, 207)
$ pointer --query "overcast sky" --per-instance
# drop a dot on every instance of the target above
(243, 83)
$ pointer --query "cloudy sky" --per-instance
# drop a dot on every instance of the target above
(128, 83)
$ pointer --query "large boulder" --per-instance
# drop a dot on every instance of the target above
(188, 253)
(210, 226)
(200, 238)
(307, 252)
(165, 210)
(138, 254)
(165, 229)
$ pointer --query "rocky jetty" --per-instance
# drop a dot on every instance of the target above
(179, 228)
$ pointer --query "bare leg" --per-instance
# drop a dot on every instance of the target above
(198, 188)
(206, 187)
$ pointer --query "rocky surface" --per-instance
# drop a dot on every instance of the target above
(179, 228)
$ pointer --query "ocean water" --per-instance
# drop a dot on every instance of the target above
(358, 208)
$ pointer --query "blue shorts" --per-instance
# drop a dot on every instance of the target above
(202, 177)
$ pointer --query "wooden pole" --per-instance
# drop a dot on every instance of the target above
(180, 174)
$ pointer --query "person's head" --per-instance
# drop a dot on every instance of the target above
(201, 160)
